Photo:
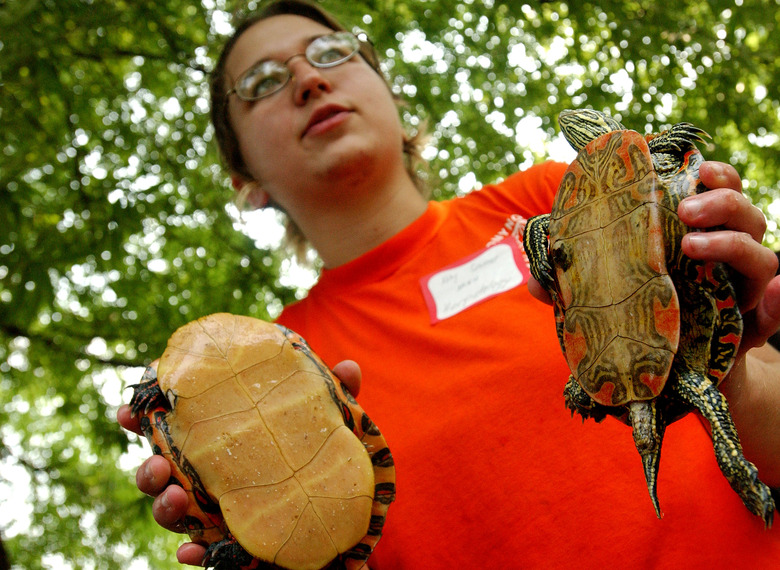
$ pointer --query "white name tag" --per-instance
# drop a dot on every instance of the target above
(474, 279)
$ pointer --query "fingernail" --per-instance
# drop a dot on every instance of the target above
(164, 502)
(691, 208)
(697, 241)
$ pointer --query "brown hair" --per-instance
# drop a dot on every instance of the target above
(226, 138)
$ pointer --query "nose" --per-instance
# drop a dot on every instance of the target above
(308, 81)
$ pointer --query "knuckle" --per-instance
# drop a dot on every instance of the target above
(761, 220)
(742, 243)
(732, 203)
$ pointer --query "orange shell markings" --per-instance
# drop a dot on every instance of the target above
(258, 423)
(606, 237)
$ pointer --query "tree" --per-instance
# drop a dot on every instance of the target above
(114, 228)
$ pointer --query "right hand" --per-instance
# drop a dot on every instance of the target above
(170, 503)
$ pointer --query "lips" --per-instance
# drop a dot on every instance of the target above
(324, 118)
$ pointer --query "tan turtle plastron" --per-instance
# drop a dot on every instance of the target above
(265, 427)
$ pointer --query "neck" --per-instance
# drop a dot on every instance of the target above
(355, 220)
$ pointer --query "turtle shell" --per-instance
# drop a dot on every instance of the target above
(648, 333)
(617, 305)
(276, 454)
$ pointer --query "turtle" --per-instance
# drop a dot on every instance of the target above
(283, 467)
(647, 332)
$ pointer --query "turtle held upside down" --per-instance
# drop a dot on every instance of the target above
(282, 467)
(648, 333)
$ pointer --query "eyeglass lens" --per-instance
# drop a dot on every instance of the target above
(268, 77)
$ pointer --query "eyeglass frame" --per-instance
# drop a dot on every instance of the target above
(358, 47)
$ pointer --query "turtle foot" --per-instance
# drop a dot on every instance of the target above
(755, 495)
(228, 554)
(578, 400)
(147, 394)
(535, 243)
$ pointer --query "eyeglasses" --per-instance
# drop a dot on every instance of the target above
(267, 77)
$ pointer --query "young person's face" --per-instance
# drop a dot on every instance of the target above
(325, 123)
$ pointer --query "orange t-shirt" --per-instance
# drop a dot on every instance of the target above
(492, 471)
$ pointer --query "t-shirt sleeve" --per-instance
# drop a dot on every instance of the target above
(529, 192)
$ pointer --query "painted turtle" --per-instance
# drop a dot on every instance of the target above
(283, 467)
(648, 333)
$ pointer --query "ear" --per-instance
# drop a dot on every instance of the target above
(253, 194)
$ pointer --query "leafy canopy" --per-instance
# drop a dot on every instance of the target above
(114, 228)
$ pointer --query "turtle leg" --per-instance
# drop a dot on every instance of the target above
(741, 474)
(147, 394)
(679, 138)
(648, 432)
(668, 148)
(228, 554)
(535, 242)
(578, 400)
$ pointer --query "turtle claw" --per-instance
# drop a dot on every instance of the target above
(678, 139)
(758, 500)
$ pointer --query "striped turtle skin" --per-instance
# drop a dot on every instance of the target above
(647, 332)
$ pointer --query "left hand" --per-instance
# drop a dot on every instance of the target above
(736, 242)
(170, 503)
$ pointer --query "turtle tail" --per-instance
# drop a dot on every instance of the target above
(645, 417)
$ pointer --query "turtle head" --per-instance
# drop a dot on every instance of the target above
(580, 126)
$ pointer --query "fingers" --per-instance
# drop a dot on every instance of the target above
(755, 264)
(169, 508)
(764, 321)
(170, 503)
(538, 291)
(127, 420)
(191, 553)
(740, 230)
(736, 242)
(153, 475)
(349, 373)
(725, 208)
(768, 310)
(719, 175)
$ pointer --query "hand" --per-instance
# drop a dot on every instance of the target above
(737, 243)
(539, 292)
(170, 503)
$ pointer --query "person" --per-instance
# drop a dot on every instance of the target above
(466, 381)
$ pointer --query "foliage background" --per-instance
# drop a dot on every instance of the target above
(113, 225)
